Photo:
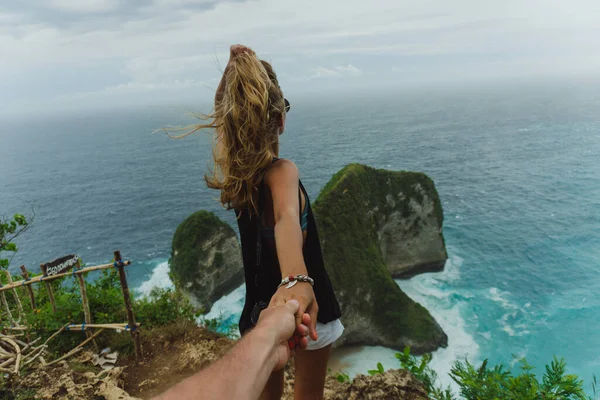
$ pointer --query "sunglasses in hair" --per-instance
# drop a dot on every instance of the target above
(287, 105)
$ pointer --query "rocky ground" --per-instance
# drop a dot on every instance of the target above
(171, 357)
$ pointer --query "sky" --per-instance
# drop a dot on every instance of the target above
(72, 54)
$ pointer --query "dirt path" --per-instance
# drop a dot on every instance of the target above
(168, 362)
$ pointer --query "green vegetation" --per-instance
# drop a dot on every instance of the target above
(342, 377)
(10, 229)
(163, 307)
(377, 371)
(498, 382)
(348, 229)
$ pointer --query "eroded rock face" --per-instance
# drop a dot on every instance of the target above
(411, 241)
(206, 260)
(376, 225)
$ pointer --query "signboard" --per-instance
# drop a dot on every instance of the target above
(60, 265)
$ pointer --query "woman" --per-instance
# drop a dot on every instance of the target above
(277, 228)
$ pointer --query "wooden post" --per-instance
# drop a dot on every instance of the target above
(84, 300)
(135, 335)
(49, 289)
(25, 275)
(10, 317)
(15, 294)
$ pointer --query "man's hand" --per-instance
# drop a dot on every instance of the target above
(305, 295)
(277, 325)
(244, 371)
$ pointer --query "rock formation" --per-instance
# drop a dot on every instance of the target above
(206, 260)
(376, 225)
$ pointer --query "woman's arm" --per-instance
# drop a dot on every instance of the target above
(283, 181)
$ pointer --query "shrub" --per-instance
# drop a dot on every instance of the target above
(498, 382)
(162, 307)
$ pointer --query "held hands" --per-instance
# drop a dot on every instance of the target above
(277, 325)
(305, 295)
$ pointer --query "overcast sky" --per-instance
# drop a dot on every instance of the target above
(77, 53)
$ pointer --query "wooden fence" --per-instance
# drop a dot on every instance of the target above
(57, 269)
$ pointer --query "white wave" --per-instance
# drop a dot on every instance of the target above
(451, 271)
(230, 305)
(435, 293)
(500, 297)
(508, 321)
(506, 327)
(487, 335)
(227, 309)
(158, 279)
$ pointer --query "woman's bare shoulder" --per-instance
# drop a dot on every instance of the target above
(283, 170)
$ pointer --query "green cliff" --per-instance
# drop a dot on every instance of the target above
(375, 224)
(206, 260)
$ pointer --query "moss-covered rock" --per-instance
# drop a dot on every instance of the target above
(206, 260)
(375, 223)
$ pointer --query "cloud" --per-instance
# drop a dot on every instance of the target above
(55, 48)
(349, 70)
(84, 6)
(338, 71)
(322, 72)
(10, 18)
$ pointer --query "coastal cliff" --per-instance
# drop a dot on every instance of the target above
(206, 260)
(376, 225)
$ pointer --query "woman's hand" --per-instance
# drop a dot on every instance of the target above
(237, 49)
(234, 51)
(305, 295)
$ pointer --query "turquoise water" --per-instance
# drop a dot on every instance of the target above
(517, 168)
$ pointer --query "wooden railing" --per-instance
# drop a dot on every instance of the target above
(57, 269)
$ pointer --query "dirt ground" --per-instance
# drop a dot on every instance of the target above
(169, 359)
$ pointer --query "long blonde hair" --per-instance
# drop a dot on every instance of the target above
(248, 113)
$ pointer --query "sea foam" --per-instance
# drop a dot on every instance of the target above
(158, 279)
(446, 304)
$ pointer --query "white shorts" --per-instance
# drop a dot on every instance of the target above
(328, 333)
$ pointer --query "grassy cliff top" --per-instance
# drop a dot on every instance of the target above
(376, 184)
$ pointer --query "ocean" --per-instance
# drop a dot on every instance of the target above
(517, 167)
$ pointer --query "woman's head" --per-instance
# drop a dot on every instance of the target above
(248, 117)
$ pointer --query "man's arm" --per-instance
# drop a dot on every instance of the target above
(243, 372)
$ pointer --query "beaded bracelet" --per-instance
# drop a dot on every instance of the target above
(291, 280)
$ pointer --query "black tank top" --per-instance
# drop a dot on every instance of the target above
(261, 266)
